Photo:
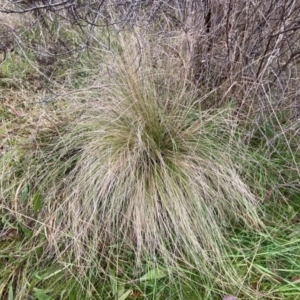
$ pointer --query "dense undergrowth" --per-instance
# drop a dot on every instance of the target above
(126, 173)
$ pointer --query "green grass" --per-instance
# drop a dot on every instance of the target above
(269, 263)
(132, 188)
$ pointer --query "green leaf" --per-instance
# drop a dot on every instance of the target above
(121, 290)
(291, 213)
(41, 294)
(27, 232)
(37, 202)
(10, 293)
(62, 295)
(113, 282)
(125, 295)
(37, 276)
(154, 275)
(25, 192)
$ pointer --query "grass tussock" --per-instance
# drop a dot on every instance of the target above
(135, 179)
(143, 168)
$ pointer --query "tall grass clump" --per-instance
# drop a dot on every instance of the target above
(163, 164)
(142, 168)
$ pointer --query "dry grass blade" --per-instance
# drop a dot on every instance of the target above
(229, 297)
